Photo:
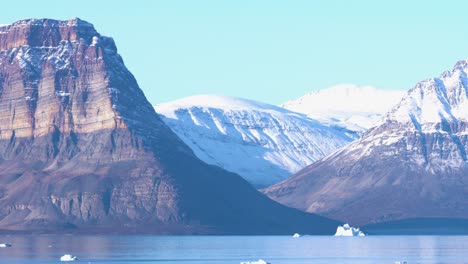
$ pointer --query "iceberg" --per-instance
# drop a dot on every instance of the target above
(347, 230)
(296, 235)
(260, 261)
(68, 257)
(5, 245)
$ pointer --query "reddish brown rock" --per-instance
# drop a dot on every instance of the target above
(80, 146)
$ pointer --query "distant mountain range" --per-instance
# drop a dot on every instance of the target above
(82, 150)
(412, 165)
(265, 143)
(261, 142)
(353, 107)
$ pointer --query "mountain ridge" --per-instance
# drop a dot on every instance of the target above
(354, 107)
(263, 143)
(412, 165)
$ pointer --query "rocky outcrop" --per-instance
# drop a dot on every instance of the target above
(80, 146)
(45, 33)
(413, 165)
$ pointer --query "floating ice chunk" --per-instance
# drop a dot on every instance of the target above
(296, 235)
(400, 262)
(68, 257)
(347, 230)
(5, 245)
(260, 261)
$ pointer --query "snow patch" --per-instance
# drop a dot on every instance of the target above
(95, 41)
(62, 93)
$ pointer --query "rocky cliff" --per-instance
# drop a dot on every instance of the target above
(81, 147)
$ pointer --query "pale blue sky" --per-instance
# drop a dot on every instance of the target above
(269, 50)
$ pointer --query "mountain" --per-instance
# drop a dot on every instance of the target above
(412, 165)
(81, 148)
(354, 107)
(263, 143)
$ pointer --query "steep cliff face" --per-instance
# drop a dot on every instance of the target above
(81, 146)
(412, 165)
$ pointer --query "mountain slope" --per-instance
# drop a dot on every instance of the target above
(354, 107)
(262, 143)
(412, 165)
(80, 146)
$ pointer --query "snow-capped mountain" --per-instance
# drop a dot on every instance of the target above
(436, 101)
(412, 165)
(351, 106)
(261, 142)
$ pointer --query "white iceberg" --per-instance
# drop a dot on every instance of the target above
(68, 257)
(260, 261)
(347, 230)
(5, 245)
(296, 235)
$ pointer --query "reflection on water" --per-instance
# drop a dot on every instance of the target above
(219, 249)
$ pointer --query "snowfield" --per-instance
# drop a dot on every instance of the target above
(351, 106)
(263, 143)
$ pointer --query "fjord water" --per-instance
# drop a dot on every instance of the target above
(230, 249)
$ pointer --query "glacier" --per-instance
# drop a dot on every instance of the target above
(354, 107)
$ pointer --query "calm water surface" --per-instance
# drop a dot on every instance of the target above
(229, 249)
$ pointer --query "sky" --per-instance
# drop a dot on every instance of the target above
(269, 50)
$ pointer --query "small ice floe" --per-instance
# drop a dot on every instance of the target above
(5, 245)
(68, 257)
(296, 235)
(347, 230)
(401, 262)
(260, 261)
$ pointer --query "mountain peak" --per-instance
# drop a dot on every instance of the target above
(351, 106)
(45, 32)
(219, 102)
(348, 97)
(347, 88)
(461, 64)
(80, 145)
(46, 22)
(261, 142)
(435, 100)
(413, 164)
